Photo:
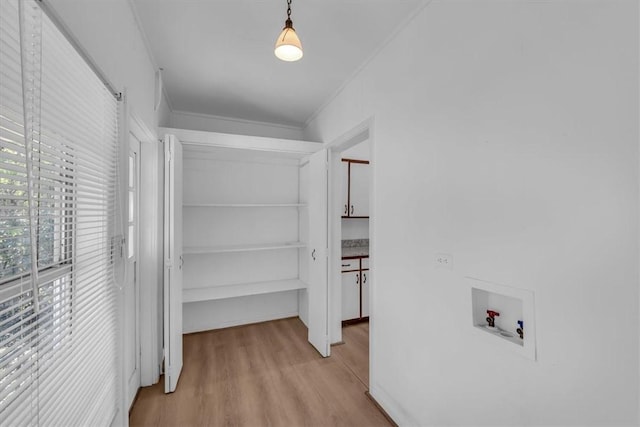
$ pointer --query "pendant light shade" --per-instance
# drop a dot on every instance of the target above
(288, 47)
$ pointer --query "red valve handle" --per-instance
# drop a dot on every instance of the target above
(492, 313)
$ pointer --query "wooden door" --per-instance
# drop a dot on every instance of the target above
(318, 298)
(173, 262)
(359, 191)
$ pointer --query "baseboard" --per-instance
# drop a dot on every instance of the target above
(245, 321)
(391, 407)
(218, 314)
(381, 409)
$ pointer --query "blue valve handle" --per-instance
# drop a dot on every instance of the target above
(521, 323)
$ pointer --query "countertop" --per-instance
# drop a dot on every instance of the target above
(355, 248)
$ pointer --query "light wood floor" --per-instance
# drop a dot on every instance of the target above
(265, 374)
(354, 353)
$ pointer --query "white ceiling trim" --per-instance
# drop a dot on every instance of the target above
(236, 120)
(371, 57)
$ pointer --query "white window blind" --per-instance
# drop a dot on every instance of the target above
(58, 174)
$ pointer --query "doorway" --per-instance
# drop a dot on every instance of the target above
(350, 266)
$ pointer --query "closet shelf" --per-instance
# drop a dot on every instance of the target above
(244, 205)
(240, 290)
(241, 248)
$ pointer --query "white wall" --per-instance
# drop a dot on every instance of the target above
(505, 134)
(108, 32)
(361, 151)
(207, 315)
(193, 121)
(356, 228)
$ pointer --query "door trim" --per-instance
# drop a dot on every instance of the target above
(133, 277)
(149, 249)
(358, 134)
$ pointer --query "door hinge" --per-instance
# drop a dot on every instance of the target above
(169, 155)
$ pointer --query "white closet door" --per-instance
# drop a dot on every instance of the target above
(360, 173)
(317, 252)
(173, 262)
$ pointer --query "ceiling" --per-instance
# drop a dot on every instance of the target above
(218, 59)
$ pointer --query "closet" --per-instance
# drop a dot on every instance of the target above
(246, 230)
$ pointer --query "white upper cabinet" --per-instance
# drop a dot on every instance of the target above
(359, 189)
(355, 188)
(345, 188)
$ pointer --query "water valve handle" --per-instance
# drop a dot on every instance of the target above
(492, 313)
(520, 329)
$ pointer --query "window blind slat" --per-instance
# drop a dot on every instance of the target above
(60, 360)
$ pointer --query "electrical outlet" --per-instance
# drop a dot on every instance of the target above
(444, 261)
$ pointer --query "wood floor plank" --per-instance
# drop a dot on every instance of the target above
(264, 374)
(355, 351)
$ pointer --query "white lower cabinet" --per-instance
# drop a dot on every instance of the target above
(366, 279)
(351, 295)
(355, 289)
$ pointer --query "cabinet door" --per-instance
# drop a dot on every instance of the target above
(350, 295)
(173, 262)
(366, 279)
(359, 192)
(344, 206)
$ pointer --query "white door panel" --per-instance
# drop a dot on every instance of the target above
(173, 263)
(366, 280)
(317, 253)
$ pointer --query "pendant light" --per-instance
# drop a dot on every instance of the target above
(288, 46)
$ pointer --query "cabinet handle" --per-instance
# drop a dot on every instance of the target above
(346, 265)
(357, 279)
(346, 209)
(364, 278)
(351, 209)
(313, 254)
